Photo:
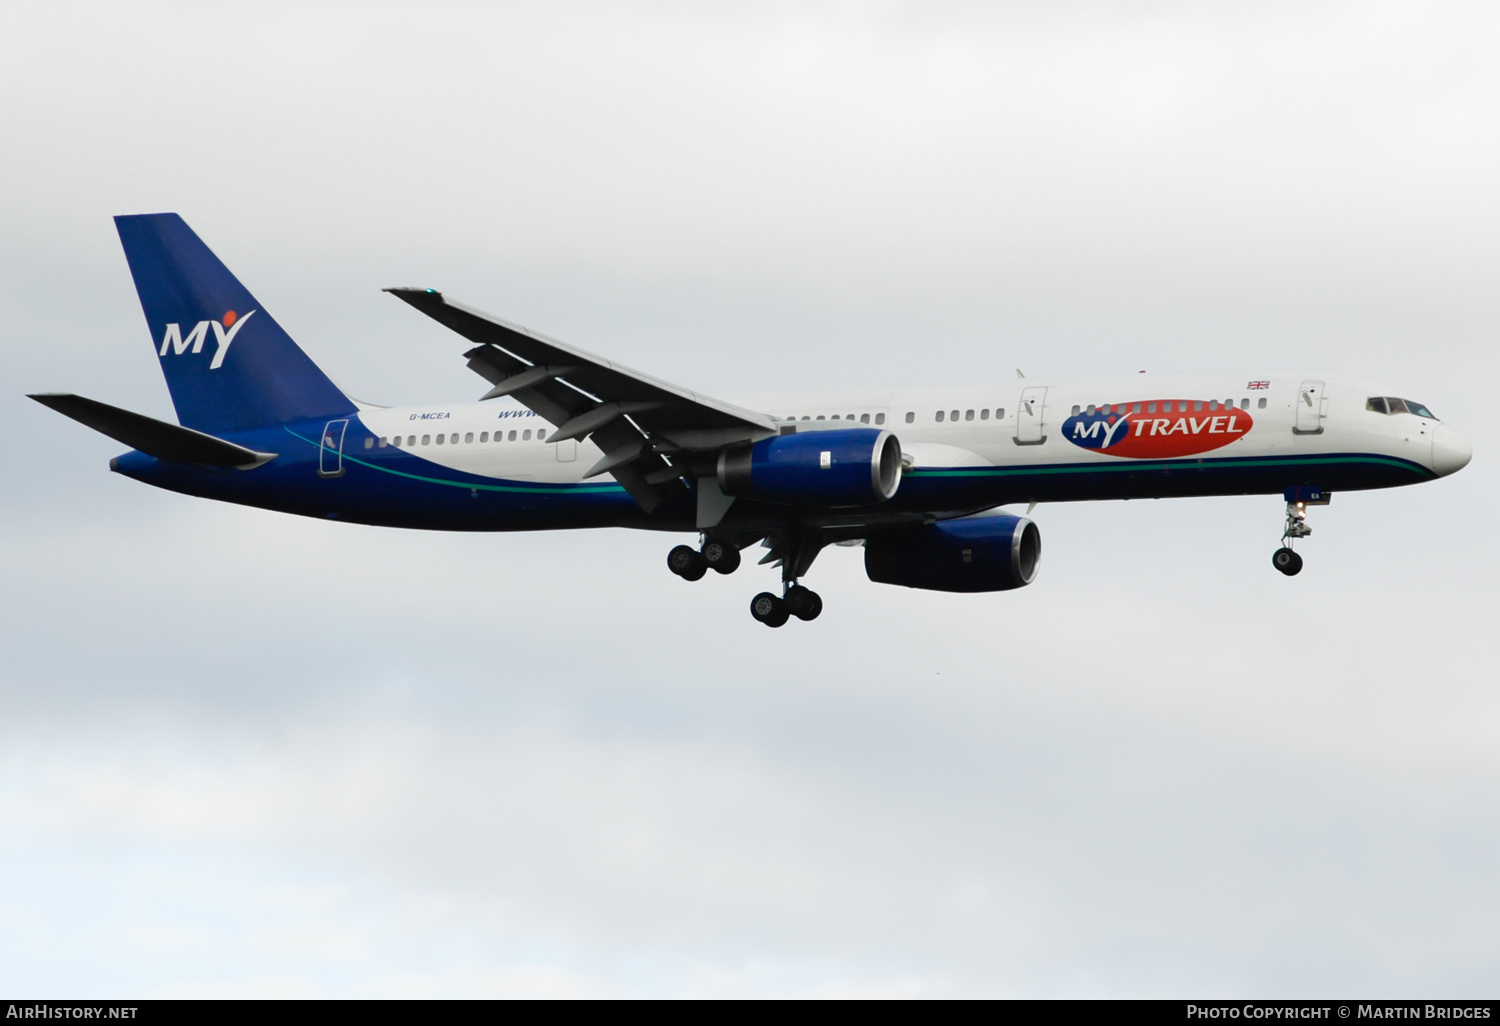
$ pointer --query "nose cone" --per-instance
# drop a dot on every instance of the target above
(1450, 453)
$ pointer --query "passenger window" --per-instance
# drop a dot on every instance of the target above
(468, 437)
(396, 441)
(411, 440)
(512, 436)
(806, 417)
(427, 439)
(1244, 404)
(526, 435)
(864, 418)
(1197, 405)
(836, 417)
(939, 416)
(1261, 404)
(984, 414)
(1150, 407)
(910, 416)
(1000, 413)
(1375, 405)
(541, 434)
(369, 443)
(440, 439)
(953, 415)
(1077, 410)
(484, 436)
(1091, 409)
(1182, 406)
(1213, 404)
(968, 415)
(880, 418)
(820, 417)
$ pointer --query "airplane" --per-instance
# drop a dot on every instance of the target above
(917, 474)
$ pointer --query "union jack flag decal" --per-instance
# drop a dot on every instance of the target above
(1259, 384)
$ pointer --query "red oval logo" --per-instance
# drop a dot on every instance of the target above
(1160, 429)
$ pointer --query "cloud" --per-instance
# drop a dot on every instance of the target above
(247, 754)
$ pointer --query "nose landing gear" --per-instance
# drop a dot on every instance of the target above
(1284, 559)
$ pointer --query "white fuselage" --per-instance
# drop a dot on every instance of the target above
(997, 424)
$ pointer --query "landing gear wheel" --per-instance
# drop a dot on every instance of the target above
(768, 609)
(686, 563)
(721, 556)
(803, 603)
(1287, 561)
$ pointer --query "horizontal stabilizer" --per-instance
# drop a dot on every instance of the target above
(151, 436)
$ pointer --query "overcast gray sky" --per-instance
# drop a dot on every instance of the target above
(245, 754)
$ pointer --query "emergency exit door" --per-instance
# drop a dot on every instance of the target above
(331, 451)
(1312, 407)
(1030, 414)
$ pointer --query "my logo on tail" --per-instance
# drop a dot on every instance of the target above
(224, 332)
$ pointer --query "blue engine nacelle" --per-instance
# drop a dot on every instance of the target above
(983, 553)
(856, 467)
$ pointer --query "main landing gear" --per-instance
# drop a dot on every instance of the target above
(803, 603)
(1284, 559)
(691, 564)
(724, 557)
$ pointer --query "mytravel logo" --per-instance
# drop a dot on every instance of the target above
(1158, 429)
(224, 331)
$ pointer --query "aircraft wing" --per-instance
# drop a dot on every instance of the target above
(646, 427)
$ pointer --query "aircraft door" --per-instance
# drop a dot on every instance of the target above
(331, 451)
(1030, 414)
(1312, 407)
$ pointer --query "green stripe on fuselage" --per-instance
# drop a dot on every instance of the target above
(1090, 468)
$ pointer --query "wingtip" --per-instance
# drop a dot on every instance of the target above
(402, 291)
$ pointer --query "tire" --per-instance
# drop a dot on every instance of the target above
(721, 556)
(1287, 561)
(768, 609)
(813, 610)
(803, 603)
(686, 563)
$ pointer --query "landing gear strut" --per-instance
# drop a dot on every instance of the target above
(1284, 559)
(796, 550)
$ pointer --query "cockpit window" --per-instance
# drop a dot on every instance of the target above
(1390, 405)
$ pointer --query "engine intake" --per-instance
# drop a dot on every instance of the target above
(981, 553)
(853, 467)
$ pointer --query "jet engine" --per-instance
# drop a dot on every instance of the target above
(981, 553)
(853, 467)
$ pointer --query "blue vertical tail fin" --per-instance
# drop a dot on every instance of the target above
(228, 364)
